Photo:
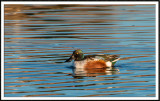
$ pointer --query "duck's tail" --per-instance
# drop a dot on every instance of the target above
(114, 61)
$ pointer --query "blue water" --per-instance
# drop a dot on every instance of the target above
(39, 38)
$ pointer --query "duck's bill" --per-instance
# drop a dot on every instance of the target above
(70, 59)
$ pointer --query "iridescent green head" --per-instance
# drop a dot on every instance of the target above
(77, 55)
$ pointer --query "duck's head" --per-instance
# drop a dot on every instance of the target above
(77, 56)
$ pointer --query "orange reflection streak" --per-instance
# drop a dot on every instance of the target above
(144, 75)
(98, 95)
(151, 95)
(43, 95)
(23, 81)
(126, 58)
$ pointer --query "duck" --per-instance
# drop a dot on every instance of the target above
(98, 61)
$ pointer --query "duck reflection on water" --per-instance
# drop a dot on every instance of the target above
(84, 72)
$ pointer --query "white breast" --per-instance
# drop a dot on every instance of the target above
(80, 64)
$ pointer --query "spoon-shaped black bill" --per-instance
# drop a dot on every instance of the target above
(70, 59)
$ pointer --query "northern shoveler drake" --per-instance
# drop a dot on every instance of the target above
(92, 61)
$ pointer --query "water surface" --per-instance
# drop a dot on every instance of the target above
(39, 38)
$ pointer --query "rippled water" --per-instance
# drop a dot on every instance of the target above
(39, 38)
